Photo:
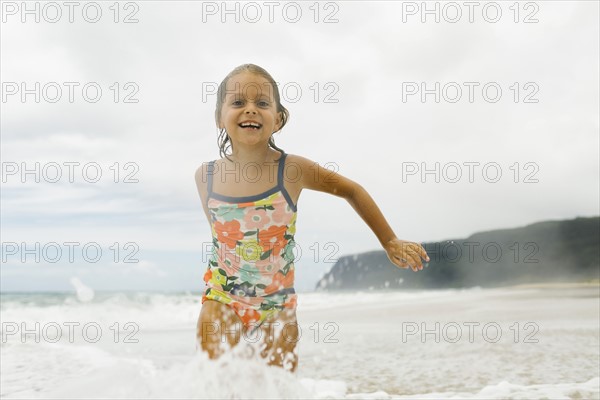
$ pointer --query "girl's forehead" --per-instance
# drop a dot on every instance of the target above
(248, 84)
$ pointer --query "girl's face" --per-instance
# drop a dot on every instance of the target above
(249, 113)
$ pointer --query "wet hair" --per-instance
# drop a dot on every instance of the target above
(223, 140)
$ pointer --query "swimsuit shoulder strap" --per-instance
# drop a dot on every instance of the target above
(280, 184)
(280, 170)
(210, 172)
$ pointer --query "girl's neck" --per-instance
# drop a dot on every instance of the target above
(243, 156)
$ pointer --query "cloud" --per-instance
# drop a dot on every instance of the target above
(369, 133)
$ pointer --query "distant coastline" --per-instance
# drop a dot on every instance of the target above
(543, 254)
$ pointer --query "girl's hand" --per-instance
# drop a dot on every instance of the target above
(405, 254)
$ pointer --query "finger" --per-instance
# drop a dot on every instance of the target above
(420, 250)
(407, 262)
(423, 253)
(400, 262)
(414, 260)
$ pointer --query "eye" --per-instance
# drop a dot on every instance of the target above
(237, 103)
(263, 103)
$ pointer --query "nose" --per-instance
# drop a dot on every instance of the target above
(250, 108)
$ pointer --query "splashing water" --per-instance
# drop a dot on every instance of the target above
(85, 294)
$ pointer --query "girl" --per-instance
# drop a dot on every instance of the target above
(250, 198)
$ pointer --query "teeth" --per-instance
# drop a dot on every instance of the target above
(250, 125)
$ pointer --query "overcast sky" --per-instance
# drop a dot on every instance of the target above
(518, 98)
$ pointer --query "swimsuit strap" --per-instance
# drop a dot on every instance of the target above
(210, 172)
(280, 171)
(280, 185)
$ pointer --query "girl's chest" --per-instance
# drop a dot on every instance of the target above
(252, 182)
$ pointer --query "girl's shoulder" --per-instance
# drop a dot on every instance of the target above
(296, 159)
(321, 178)
(203, 174)
(202, 170)
(298, 169)
(300, 163)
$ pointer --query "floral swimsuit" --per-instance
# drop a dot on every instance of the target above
(252, 264)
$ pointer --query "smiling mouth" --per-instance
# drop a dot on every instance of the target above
(250, 125)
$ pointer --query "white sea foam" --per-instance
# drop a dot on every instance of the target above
(360, 354)
(84, 293)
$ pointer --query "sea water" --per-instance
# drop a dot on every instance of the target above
(521, 343)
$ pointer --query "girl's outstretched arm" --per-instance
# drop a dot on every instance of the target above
(403, 254)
